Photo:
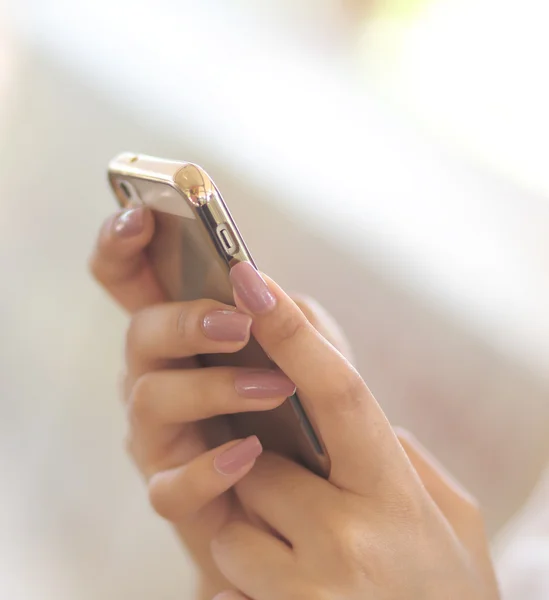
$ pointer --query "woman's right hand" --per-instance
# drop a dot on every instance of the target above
(173, 405)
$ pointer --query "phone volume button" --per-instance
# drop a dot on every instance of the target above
(227, 239)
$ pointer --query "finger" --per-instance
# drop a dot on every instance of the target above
(254, 561)
(288, 497)
(155, 399)
(456, 504)
(168, 331)
(186, 443)
(156, 409)
(179, 493)
(362, 446)
(119, 262)
(324, 323)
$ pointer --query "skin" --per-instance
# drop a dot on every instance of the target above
(390, 524)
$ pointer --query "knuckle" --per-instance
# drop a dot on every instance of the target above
(346, 390)
(133, 330)
(159, 497)
(144, 322)
(342, 531)
(183, 325)
(355, 550)
(178, 493)
(344, 537)
(141, 405)
(288, 326)
(166, 494)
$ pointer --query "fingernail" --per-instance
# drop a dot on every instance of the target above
(238, 456)
(226, 326)
(129, 223)
(252, 288)
(263, 384)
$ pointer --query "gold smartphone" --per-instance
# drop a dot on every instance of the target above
(196, 242)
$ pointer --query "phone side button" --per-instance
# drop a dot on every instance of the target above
(227, 239)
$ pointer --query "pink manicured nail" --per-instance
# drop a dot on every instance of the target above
(252, 288)
(226, 326)
(263, 384)
(129, 223)
(238, 456)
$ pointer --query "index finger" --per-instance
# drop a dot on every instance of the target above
(363, 447)
(119, 262)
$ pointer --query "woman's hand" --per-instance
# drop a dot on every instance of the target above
(390, 537)
(341, 549)
(375, 531)
(174, 407)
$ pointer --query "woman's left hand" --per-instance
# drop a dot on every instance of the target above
(385, 527)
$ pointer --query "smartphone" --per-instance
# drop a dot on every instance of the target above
(196, 242)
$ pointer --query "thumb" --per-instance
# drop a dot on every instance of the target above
(119, 262)
(324, 323)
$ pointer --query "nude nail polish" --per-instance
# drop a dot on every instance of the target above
(251, 288)
(129, 223)
(238, 456)
(263, 384)
(226, 326)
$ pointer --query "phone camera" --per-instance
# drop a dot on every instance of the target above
(129, 191)
(126, 189)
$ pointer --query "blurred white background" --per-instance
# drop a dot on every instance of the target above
(398, 147)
